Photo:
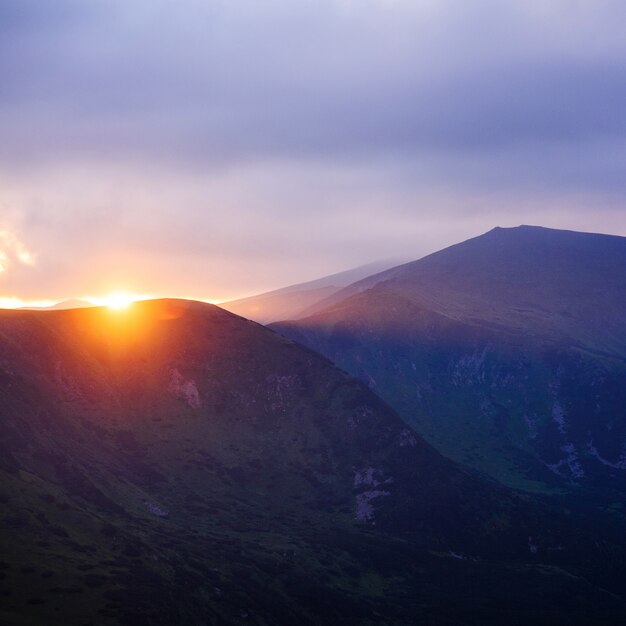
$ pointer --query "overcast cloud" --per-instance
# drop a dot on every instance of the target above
(216, 148)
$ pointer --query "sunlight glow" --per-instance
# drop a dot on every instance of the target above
(18, 303)
(118, 301)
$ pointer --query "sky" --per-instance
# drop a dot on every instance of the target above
(218, 148)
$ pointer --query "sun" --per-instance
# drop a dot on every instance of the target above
(118, 301)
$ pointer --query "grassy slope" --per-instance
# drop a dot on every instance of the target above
(486, 398)
(177, 464)
(535, 281)
(505, 351)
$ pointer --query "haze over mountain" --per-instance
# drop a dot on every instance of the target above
(507, 352)
(294, 301)
(60, 306)
(177, 464)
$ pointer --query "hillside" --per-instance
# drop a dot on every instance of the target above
(551, 283)
(506, 352)
(174, 463)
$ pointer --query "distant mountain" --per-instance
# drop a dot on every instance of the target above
(176, 464)
(293, 301)
(550, 283)
(61, 306)
(507, 352)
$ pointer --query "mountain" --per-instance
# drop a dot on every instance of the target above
(293, 301)
(526, 279)
(60, 306)
(176, 464)
(507, 352)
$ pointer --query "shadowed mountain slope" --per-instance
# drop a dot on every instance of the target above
(506, 352)
(174, 463)
(293, 301)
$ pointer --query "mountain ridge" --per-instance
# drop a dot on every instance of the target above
(526, 239)
(180, 464)
(506, 351)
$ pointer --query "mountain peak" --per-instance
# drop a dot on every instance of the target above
(545, 231)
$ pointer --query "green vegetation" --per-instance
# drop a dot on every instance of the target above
(506, 352)
(175, 464)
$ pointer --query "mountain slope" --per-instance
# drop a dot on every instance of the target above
(506, 352)
(291, 302)
(174, 463)
(553, 283)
